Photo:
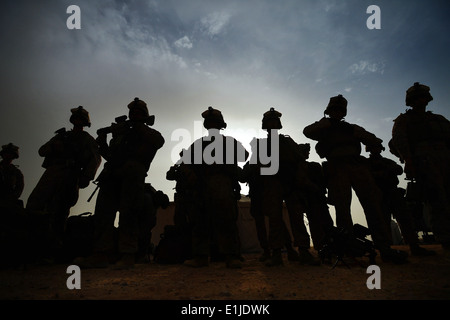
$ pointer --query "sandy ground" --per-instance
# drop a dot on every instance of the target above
(423, 278)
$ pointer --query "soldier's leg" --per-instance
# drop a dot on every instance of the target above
(260, 224)
(295, 212)
(340, 194)
(105, 211)
(273, 209)
(370, 198)
(403, 215)
(131, 203)
(146, 222)
(437, 193)
(223, 212)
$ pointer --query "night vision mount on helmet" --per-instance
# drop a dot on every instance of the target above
(213, 119)
(337, 102)
(81, 113)
(417, 91)
(272, 114)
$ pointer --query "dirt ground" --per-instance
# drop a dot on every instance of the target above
(423, 278)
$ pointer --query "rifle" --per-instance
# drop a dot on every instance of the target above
(101, 177)
(94, 192)
(122, 120)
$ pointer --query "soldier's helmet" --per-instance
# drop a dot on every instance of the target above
(337, 102)
(271, 119)
(416, 91)
(140, 105)
(81, 113)
(213, 119)
(10, 148)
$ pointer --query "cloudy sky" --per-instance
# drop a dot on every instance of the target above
(242, 57)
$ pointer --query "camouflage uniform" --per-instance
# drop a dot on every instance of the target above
(122, 186)
(421, 139)
(217, 176)
(340, 143)
(71, 162)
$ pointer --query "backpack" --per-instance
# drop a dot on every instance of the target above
(79, 235)
(174, 246)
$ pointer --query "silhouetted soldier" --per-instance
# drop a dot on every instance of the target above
(187, 195)
(385, 172)
(275, 188)
(422, 142)
(122, 186)
(11, 179)
(13, 227)
(71, 162)
(340, 143)
(214, 160)
(315, 197)
(252, 176)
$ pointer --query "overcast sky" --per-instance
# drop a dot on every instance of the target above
(241, 57)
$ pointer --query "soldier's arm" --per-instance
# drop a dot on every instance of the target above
(366, 137)
(400, 142)
(154, 138)
(317, 130)
(51, 148)
(400, 138)
(445, 127)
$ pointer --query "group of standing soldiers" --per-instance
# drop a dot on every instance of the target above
(208, 177)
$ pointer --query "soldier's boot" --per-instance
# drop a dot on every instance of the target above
(265, 256)
(125, 262)
(233, 262)
(292, 254)
(305, 257)
(275, 259)
(197, 262)
(394, 256)
(96, 260)
(417, 250)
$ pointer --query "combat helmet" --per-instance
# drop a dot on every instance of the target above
(337, 102)
(10, 148)
(140, 105)
(213, 119)
(272, 114)
(416, 91)
(81, 113)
